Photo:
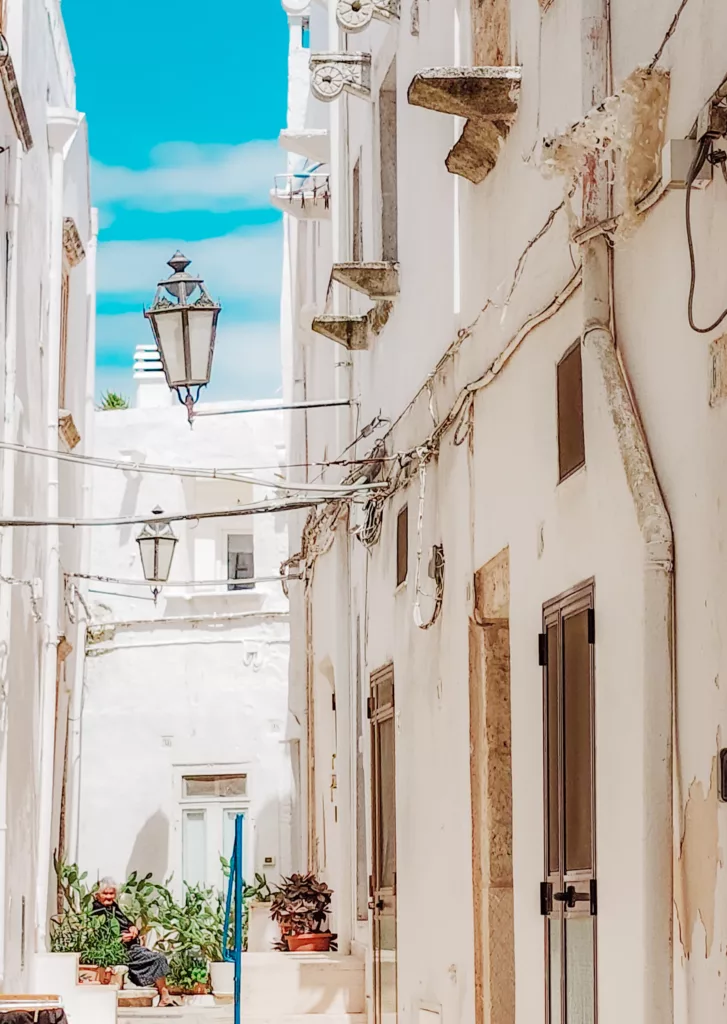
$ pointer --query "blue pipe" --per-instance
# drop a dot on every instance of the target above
(236, 885)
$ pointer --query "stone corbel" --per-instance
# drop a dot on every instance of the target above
(67, 429)
(12, 94)
(356, 15)
(487, 97)
(332, 73)
(72, 244)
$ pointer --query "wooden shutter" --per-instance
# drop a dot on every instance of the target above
(571, 440)
(402, 545)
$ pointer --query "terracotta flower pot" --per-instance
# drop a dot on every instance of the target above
(309, 942)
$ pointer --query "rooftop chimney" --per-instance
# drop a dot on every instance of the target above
(151, 385)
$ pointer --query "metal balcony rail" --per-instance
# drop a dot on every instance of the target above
(303, 188)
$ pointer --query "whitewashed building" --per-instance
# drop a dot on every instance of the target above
(47, 349)
(184, 718)
(511, 668)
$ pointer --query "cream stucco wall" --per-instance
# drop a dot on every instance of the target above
(460, 249)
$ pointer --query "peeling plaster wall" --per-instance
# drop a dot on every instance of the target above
(461, 248)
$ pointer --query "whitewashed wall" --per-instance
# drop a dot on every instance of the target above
(198, 683)
(459, 248)
(30, 782)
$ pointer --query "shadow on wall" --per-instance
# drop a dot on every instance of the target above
(151, 848)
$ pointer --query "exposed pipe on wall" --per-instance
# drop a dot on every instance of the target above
(73, 765)
(7, 501)
(657, 670)
(62, 128)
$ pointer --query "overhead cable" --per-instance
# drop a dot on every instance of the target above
(196, 472)
(257, 508)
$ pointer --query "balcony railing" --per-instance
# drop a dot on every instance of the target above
(303, 189)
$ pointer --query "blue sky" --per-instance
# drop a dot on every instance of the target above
(184, 103)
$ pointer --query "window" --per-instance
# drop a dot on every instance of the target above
(389, 174)
(63, 356)
(357, 247)
(402, 545)
(571, 440)
(210, 804)
(214, 785)
(240, 560)
(305, 33)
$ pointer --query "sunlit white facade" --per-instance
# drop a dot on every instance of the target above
(511, 668)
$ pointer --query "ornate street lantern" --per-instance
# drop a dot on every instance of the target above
(184, 331)
(157, 542)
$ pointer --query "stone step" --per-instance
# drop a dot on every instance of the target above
(224, 1015)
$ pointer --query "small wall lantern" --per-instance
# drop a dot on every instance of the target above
(184, 331)
(157, 542)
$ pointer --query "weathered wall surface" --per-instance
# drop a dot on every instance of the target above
(43, 65)
(475, 264)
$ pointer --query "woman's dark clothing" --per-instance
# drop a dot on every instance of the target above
(145, 965)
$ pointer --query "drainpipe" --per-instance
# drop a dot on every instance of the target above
(7, 502)
(62, 128)
(658, 668)
(75, 725)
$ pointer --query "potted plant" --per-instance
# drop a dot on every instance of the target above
(260, 934)
(189, 933)
(301, 905)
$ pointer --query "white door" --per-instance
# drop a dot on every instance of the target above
(210, 806)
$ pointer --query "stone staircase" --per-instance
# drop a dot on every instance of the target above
(277, 988)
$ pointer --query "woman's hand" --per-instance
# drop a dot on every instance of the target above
(130, 935)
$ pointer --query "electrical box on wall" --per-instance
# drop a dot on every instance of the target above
(269, 862)
(676, 160)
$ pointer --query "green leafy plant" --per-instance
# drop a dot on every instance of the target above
(186, 972)
(113, 400)
(190, 932)
(96, 939)
(301, 904)
(74, 893)
(143, 902)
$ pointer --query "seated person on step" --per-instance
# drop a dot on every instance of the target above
(146, 966)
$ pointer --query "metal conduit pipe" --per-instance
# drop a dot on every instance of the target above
(75, 724)
(9, 433)
(62, 128)
(657, 669)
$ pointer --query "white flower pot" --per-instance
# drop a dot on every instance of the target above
(262, 931)
(222, 978)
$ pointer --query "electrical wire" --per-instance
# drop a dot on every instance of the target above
(183, 583)
(702, 155)
(195, 472)
(257, 508)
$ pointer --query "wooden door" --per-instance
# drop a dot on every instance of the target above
(569, 893)
(383, 879)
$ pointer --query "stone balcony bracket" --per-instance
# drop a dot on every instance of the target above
(354, 332)
(13, 96)
(487, 97)
(350, 331)
(356, 15)
(67, 429)
(378, 281)
(334, 73)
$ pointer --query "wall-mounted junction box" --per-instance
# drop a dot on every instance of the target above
(676, 159)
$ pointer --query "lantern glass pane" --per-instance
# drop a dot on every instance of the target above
(201, 323)
(146, 551)
(171, 342)
(165, 553)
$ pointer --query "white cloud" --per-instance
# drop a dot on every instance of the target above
(246, 263)
(187, 176)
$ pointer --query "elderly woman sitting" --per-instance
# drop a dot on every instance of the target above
(146, 967)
